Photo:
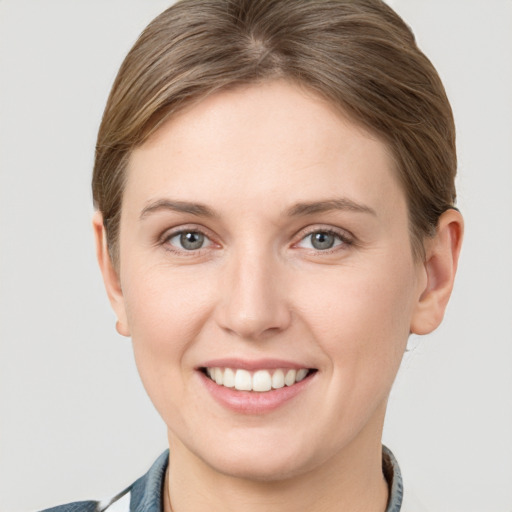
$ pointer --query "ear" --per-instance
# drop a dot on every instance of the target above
(110, 275)
(440, 266)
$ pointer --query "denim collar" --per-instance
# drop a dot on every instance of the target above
(147, 491)
(393, 477)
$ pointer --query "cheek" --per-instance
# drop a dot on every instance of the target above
(164, 303)
(166, 312)
(361, 316)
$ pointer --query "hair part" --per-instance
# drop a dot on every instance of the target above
(357, 54)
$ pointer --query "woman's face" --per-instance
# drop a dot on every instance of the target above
(264, 236)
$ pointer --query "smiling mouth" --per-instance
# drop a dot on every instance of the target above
(260, 381)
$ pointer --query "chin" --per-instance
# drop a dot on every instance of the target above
(259, 470)
(260, 458)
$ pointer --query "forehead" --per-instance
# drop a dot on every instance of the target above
(266, 141)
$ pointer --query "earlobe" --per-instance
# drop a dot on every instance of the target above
(110, 275)
(440, 266)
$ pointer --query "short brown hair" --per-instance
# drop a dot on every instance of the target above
(358, 54)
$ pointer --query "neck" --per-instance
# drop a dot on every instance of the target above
(351, 481)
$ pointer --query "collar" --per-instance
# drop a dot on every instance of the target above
(393, 477)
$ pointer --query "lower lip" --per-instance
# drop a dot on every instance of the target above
(254, 402)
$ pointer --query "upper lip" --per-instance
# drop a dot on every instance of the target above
(253, 364)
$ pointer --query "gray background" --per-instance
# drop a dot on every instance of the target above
(74, 421)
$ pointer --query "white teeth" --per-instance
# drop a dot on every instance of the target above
(289, 379)
(243, 380)
(259, 381)
(229, 378)
(278, 379)
(301, 375)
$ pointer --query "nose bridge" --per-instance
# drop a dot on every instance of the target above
(254, 303)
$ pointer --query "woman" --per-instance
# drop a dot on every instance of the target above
(274, 184)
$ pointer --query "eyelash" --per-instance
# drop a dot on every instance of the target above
(168, 236)
(343, 237)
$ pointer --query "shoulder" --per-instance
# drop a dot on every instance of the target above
(119, 503)
(79, 506)
(144, 494)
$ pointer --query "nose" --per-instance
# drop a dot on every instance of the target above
(253, 304)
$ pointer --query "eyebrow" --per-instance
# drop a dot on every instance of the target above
(197, 209)
(314, 207)
(297, 210)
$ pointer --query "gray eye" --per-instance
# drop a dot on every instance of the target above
(191, 240)
(188, 240)
(322, 240)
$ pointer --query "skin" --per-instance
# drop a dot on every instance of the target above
(258, 288)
